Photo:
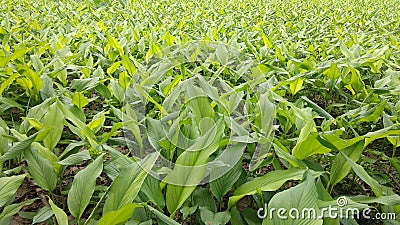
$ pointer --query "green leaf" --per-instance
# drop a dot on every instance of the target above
(8, 187)
(236, 218)
(269, 182)
(32, 76)
(74, 118)
(37, 63)
(127, 63)
(151, 188)
(345, 51)
(41, 170)
(5, 84)
(114, 44)
(84, 84)
(54, 119)
(340, 167)
(127, 184)
(103, 91)
(124, 79)
(203, 199)
(308, 143)
(251, 217)
(97, 121)
(61, 216)
(190, 168)
(9, 103)
(359, 170)
(19, 148)
(391, 200)
(119, 216)
(333, 72)
(301, 197)
(211, 218)
(223, 184)
(44, 214)
(75, 158)
(13, 209)
(117, 90)
(372, 115)
(222, 54)
(162, 217)
(19, 52)
(83, 187)
(79, 100)
(113, 67)
(296, 86)
(186, 211)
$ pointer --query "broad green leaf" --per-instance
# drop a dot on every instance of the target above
(190, 169)
(4, 142)
(97, 121)
(211, 218)
(268, 182)
(117, 90)
(172, 84)
(119, 216)
(19, 52)
(37, 63)
(236, 218)
(114, 44)
(9, 103)
(162, 217)
(40, 169)
(79, 100)
(5, 84)
(308, 143)
(340, 167)
(83, 129)
(333, 73)
(19, 148)
(151, 188)
(124, 79)
(296, 86)
(385, 200)
(54, 119)
(250, 216)
(84, 84)
(345, 51)
(301, 197)
(127, 63)
(372, 115)
(13, 209)
(8, 187)
(75, 158)
(222, 54)
(61, 216)
(113, 67)
(83, 187)
(32, 76)
(359, 170)
(186, 211)
(44, 214)
(127, 184)
(203, 199)
(223, 184)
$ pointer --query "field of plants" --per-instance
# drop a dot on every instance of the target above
(207, 112)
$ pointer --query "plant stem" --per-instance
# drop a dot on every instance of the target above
(97, 205)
